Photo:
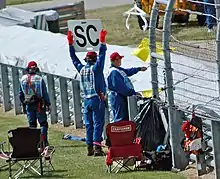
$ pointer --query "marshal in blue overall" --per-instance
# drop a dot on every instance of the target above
(34, 97)
(94, 89)
(120, 87)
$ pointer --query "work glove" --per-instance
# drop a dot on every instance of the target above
(48, 109)
(102, 96)
(143, 68)
(138, 94)
(102, 35)
(70, 37)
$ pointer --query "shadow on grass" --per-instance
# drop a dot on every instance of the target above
(46, 176)
(123, 171)
(71, 146)
(3, 169)
(50, 174)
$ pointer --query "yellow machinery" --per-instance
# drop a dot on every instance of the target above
(143, 9)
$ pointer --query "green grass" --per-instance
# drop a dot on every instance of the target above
(70, 160)
(114, 22)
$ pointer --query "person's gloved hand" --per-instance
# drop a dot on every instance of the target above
(48, 109)
(138, 94)
(70, 37)
(143, 68)
(102, 36)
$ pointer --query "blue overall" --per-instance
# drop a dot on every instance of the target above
(92, 83)
(120, 87)
(209, 9)
(33, 114)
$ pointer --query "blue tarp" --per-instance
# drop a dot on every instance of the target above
(73, 138)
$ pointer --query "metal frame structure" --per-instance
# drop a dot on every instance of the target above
(173, 121)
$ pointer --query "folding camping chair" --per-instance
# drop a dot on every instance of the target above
(123, 147)
(26, 143)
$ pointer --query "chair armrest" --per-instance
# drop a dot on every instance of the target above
(138, 140)
(99, 144)
(2, 147)
(48, 152)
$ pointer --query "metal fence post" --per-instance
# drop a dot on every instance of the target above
(16, 85)
(52, 96)
(152, 37)
(78, 122)
(182, 161)
(132, 107)
(174, 126)
(215, 126)
(5, 88)
(64, 101)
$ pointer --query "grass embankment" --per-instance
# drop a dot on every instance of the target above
(70, 160)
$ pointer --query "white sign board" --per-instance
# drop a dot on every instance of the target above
(85, 34)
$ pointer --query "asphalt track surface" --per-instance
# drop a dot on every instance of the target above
(89, 4)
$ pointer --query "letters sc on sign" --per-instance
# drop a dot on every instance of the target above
(85, 34)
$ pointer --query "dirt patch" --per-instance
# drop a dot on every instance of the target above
(191, 173)
(8, 113)
(69, 130)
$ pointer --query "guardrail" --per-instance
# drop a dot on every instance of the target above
(64, 94)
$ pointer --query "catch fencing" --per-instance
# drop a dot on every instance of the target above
(188, 72)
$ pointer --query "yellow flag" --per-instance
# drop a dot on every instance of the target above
(149, 93)
(143, 50)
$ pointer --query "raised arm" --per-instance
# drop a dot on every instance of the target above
(100, 63)
(75, 59)
(131, 71)
(116, 83)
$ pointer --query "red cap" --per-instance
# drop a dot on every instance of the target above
(185, 126)
(32, 64)
(115, 55)
(91, 54)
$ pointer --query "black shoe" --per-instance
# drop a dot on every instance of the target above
(98, 151)
(90, 150)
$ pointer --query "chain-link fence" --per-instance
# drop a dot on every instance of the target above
(188, 72)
